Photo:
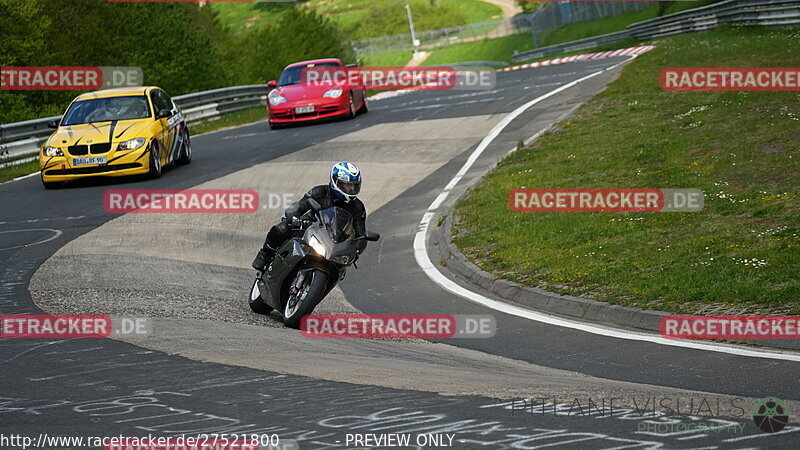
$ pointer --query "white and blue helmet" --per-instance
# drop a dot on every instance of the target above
(346, 180)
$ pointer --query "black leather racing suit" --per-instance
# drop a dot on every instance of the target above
(325, 196)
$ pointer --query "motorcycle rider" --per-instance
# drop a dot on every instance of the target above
(341, 191)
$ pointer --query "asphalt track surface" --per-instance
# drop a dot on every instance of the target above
(213, 367)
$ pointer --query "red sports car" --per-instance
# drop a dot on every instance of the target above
(312, 90)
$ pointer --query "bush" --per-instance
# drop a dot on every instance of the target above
(266, 51)
(181, 47)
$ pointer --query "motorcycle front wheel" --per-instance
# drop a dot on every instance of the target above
(303, 302)
(256, 302)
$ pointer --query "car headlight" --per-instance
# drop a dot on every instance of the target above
(133, 144)
(275, 98)
(317, 246)
(333, 93)
(52, 151)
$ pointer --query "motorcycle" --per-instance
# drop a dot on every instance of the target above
(307, 266)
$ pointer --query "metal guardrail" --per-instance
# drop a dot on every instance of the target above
(572, 46)
(219, 95)
(469, 64)
(732, 12)
(20, 141)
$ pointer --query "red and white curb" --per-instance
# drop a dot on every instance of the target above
(631, 51)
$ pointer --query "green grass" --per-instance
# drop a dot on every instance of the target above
(242, 16)
(501, 49)
(232, 119)
(18, 170)
(350, 14)
(498, 49)
(475, 10)
(387, 59)
(740, 148)
(581, 30)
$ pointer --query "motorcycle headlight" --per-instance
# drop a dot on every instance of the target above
(52, 151)
(133, 144)
(317, 246)
(333, 93)
(275, 98)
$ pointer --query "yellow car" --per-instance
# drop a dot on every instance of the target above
(115, 132)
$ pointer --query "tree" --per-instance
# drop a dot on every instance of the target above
(266, 51)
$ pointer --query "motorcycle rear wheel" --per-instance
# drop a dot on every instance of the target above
(303, 303)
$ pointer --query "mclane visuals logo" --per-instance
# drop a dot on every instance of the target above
(770, 414)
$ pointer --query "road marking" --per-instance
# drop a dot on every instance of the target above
(44, 219)
(442, 105)
(56, 233)
(237, 136)
(21, 177)
(424, 261)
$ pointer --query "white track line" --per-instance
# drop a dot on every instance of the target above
(56, 234)
(20, 177)
(424, 261)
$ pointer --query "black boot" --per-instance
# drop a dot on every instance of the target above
(263, 258)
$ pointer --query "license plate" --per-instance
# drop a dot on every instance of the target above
(304, 109)
(88, 161)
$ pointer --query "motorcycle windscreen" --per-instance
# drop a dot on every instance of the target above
(338, 222)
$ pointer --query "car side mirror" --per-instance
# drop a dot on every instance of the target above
(372, 236)
(272, 83)
(351, 66)
(164, 114)
(53, 123)
(314, 204)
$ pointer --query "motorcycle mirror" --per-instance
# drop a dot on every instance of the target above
(314, 204)
(372, 236)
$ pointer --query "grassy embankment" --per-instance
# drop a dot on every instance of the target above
(501, 49)
(363, 18)
(742, 252)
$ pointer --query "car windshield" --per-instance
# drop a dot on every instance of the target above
(107, 109)
(298, 74)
